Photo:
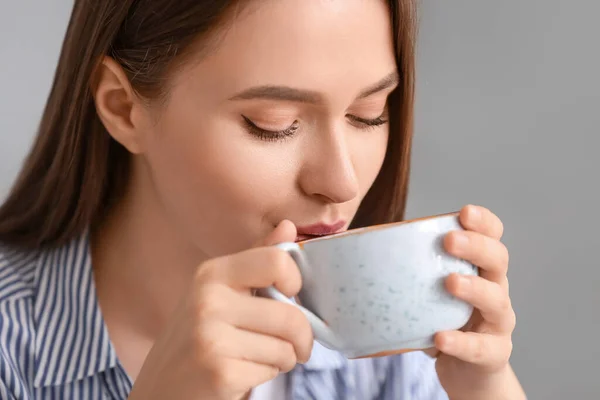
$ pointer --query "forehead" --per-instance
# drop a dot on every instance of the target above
(324, 45)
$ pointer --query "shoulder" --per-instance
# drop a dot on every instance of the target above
(17, 270)
(17, 336)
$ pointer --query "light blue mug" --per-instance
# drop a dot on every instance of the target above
(379, 290)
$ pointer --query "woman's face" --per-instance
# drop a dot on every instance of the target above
(285, 119)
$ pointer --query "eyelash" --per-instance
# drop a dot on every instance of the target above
(369, 123)
(273, 136)
(270, 136)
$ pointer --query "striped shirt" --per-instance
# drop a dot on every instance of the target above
(54, 343)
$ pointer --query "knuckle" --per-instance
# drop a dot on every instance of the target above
(508, 353)
(207, 343)
(207, 272)
(512, 320)
(226, 378)
(504, 257)
(486, 244)
(222, 375)
(207, 303)
(479, 350)
(504, 304)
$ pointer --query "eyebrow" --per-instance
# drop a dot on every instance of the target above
(286, 93)
(391, 80)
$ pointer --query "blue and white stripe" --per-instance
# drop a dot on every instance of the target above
(54, 343)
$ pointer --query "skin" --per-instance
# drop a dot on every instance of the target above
(207, 197)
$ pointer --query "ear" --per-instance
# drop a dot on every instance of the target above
(118, 106)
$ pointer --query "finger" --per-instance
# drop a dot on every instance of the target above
(488, 297)
(273, 318)
(256, 347)
(268, 350)
(254, 268)
(284, 232)
(476, 348)
(488, 254)
(482, 220)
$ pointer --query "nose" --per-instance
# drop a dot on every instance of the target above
(328, 172)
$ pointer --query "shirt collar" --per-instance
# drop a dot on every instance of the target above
(72, 340)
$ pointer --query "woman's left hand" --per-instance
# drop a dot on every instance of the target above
(474, 363)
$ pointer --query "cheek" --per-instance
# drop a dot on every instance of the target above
(214, 181)
(369, 156)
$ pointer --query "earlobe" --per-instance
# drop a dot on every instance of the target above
(116, 104)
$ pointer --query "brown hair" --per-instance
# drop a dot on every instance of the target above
(76, 171)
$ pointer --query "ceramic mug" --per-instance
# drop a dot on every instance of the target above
(379, 290)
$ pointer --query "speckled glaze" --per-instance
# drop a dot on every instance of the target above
(380, 290)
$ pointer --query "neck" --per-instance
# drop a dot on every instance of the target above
(142, 263)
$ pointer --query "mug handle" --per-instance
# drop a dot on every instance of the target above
(321, 331)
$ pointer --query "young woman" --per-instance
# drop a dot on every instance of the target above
(181, 140)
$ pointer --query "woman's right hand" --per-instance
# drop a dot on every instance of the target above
(223, 341)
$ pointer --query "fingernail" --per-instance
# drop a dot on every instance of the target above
(474, 214)
(461, 239)
(447, 343)
(464, 284)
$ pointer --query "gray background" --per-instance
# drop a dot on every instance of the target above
(508, 116)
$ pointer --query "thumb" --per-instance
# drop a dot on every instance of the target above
(284, 232)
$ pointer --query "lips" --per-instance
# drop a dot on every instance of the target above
(318, 230)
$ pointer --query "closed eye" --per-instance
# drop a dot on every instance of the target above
(368, 123)
(269, 135)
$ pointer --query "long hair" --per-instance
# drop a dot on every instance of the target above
(75, 171)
